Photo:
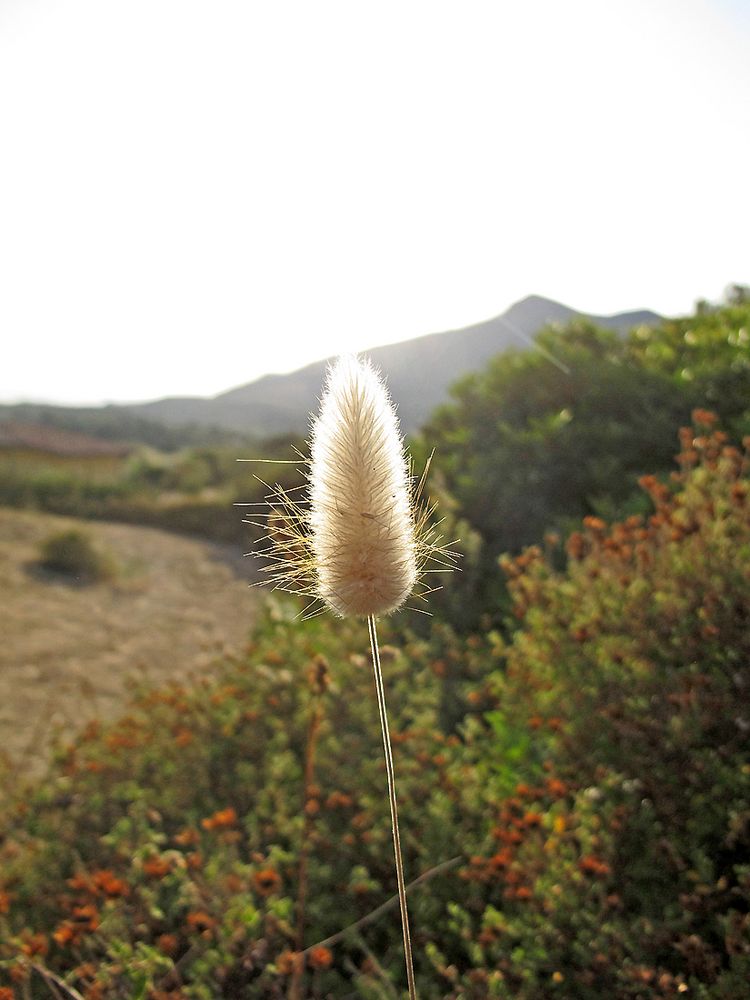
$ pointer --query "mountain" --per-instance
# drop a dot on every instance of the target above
(419, 373)
(46, 439)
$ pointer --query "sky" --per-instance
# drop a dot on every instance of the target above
(194, 193)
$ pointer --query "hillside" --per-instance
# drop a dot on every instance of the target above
(419, 373)
(50, 440)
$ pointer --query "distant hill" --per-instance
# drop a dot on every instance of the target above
(48, 440)
(116, 424)
(419, 373)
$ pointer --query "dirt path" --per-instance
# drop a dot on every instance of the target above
(67, 652)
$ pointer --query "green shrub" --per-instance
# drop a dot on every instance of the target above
(596, 790)
(72, 554)
(631, 667)
(527, 446)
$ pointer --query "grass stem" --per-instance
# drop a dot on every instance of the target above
(394, 807)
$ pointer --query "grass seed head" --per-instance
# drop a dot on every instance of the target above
(359, 539)
(361, 516)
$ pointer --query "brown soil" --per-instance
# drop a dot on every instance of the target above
(69, 653)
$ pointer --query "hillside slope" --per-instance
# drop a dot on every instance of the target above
(419, 373)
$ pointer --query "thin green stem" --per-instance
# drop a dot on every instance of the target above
(394, 807)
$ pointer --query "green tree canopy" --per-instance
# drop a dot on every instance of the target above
(544, 437)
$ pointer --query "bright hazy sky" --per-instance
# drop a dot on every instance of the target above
(196, 192)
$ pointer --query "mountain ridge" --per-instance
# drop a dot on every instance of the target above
(418, 371)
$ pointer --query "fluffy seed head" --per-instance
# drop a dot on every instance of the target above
(361, 538)
(361, 519)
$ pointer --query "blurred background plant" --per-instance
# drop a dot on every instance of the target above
(73, 555)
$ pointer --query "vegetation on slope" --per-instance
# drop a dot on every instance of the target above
(540, 439)
(190, 492)
(595, 790)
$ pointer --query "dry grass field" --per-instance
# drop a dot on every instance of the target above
(68, 653)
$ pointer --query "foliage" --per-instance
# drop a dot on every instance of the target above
(189, 492)
(633, 663)
(591, 773)
(73, 554)
(172, 836)
(541, 439)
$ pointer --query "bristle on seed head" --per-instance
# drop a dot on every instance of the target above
(361, 516)
(359, 540)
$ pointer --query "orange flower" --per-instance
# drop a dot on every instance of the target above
(101, 881)
(590, 865)
(320, 958)
(502, 859)
(704, 418)
(576, 546)
(200, 921)
(87, 970)
(187, 837)
(34, 944)
(64, 933)
(19, 972)
(156, 867)
(286, 962)
(6, 993)
(595, 524)
(86, 917)
(4, 901)
(168, 944)
(106, 882)
(80, 882)
(338, 800)
(126, 741)
(221, 819)
(739, 492)
(267, 881)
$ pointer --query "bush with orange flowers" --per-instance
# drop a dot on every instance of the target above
(636, 882)
(584, 773)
